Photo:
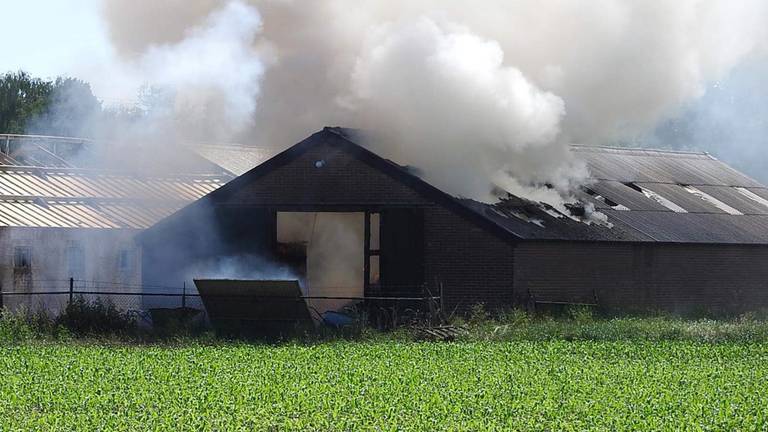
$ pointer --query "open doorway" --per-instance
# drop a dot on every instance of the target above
(326, 250)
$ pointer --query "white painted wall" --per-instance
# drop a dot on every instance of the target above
(50, 265)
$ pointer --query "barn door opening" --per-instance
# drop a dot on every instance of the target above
(401, 255)
(325, 250)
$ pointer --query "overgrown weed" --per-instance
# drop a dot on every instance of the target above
(102, 323)
(583, 324)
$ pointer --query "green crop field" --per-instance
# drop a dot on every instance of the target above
(386, 385)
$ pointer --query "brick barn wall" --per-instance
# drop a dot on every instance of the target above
(676, 278)
(342, 180)
(472, 264)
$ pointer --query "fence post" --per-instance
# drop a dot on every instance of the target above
(184, 295)
(71, 289)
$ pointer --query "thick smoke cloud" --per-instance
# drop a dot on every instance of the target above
(204, 82)
(473, 94)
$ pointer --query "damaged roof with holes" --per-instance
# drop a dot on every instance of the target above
(78, 198)
(642, 195)
(638, 195)
(648, 196)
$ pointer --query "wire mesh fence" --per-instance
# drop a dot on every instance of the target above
(52, 296)
(151, 302)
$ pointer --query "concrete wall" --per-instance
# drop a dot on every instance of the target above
(50, 265)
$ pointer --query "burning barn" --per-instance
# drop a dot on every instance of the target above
(668, 230)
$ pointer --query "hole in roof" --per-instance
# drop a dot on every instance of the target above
(656, 197)
(522, 215)
(613, 204)
(576, 209)
(634, 186)
(711, 200)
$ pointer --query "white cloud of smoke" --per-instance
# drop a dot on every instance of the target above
(206, 84)
(474, 94)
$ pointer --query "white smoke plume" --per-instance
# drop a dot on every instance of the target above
(206, 84)
(473, 93)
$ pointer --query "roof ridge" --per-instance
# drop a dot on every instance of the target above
(641, 149)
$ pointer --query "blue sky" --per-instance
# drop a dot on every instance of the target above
(50, 37)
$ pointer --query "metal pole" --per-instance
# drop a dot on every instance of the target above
(184, 295)
(71, 289)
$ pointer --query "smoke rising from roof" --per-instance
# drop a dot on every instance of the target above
(474, 95)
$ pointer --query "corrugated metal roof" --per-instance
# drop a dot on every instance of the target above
(625, 187)
(721, 204)
(237, 159)
(77, 198)
(657, 166)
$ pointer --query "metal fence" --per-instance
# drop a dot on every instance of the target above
(52, 297)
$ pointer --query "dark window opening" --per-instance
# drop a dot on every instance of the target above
(22, 257)
(374, 249)
(22, 268)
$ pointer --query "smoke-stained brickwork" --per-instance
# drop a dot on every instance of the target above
(478, 255)
(675, 278)
(469, 263)
(327, 176)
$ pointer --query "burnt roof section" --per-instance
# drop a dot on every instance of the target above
(645, 195)
(649, 196)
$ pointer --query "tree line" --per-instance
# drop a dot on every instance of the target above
(63, 106)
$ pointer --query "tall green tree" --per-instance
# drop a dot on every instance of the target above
(72, 110)
(22, 98)
(65, 106)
